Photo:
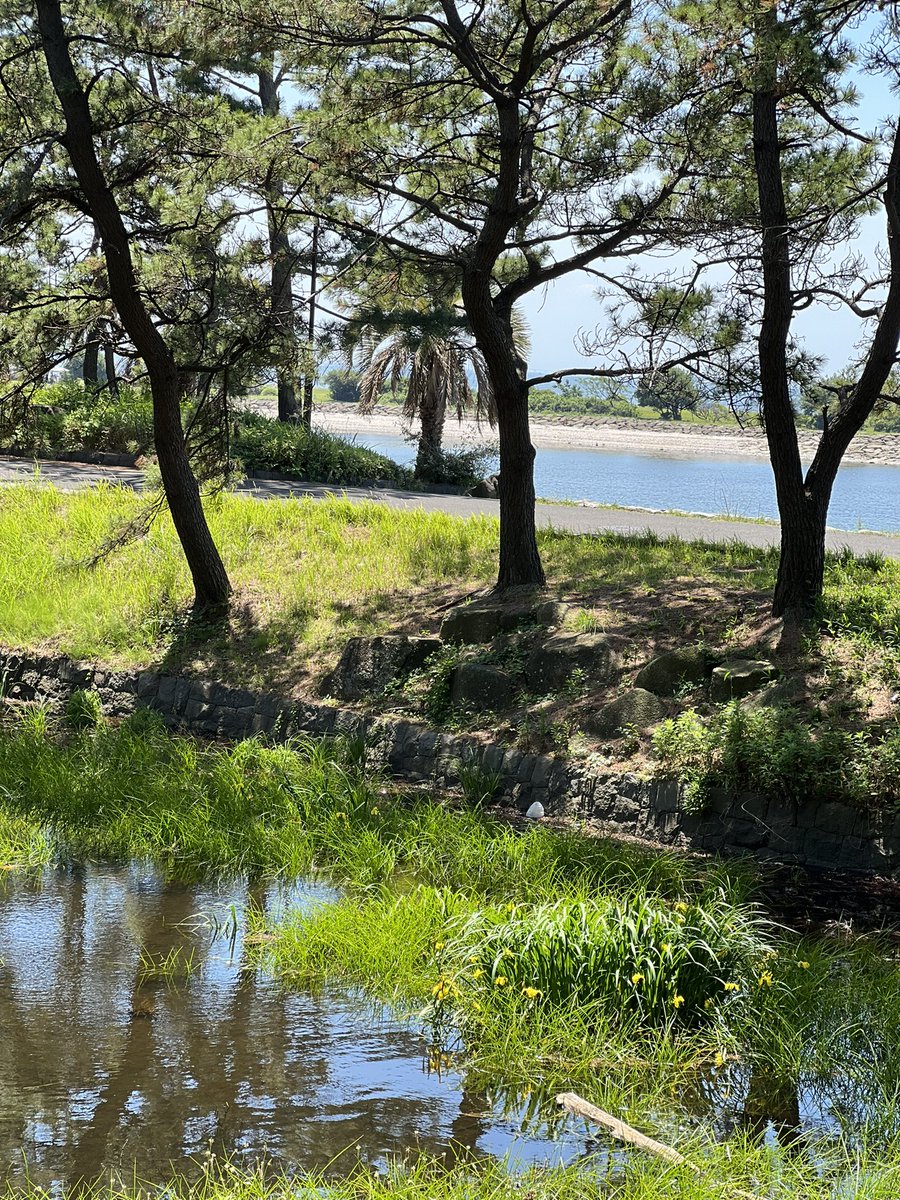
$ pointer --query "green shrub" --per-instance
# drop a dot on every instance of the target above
(265, 445)
(462, 467)
(83, 710)
(66, 417)
(770, 750)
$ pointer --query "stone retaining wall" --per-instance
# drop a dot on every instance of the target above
(832, 835)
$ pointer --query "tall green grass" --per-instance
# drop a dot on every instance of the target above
(740, 1163)
(312, 572)
(635, 977)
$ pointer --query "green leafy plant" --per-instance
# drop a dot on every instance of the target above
(84, 710)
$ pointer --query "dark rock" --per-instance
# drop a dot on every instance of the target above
(481, 621)
(636, 706)
(666, 673)
(474, 623)
(487, 489)
(549, 667)
(368, 664)
(738, 678)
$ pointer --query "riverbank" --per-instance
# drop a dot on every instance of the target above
(665, 438)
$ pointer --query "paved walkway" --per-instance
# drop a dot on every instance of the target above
(574, 518)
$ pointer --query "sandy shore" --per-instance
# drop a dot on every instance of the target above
(663, 438)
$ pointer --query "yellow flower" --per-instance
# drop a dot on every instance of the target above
(439, 945)
(637, 978)
(720, 1059)
(680, 906)
(375, 811)
(532, 992)
(473, 958)
(477, 973)
(500, 981)
(510, 908)
(732, 987)
(677, 1000)
(765, 980)
(804, 965)
(707, 1004)
(341, 816)
(507, 953)
(667, 947)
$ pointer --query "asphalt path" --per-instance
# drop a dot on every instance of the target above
(575, 518)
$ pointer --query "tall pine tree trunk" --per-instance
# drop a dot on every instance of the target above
(90, 366)
(520, 560)
(211, 586)
(281, 255)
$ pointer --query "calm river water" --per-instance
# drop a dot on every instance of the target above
(111, 1067)
(865, 497)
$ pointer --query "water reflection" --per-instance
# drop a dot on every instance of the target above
(104, 1066)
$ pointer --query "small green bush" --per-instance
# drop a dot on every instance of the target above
(83, 710)
(770, 750)
(461, 467)
(66, 417)
(265, 445)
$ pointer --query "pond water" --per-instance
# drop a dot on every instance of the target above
(103, 1068)
(110, 1067)
(865, 497)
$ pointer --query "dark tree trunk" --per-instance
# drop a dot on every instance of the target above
(211, 586)
(803, 500)
(89, 368)
(109, 365)
(282, 271)
(801, 565)
(520, 560)
(798, 571)
(431, 416)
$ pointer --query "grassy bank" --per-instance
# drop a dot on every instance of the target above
(309, 574)
(547, 960)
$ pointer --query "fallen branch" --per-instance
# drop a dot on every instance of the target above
(633, 1137)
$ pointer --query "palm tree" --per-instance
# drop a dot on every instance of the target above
(434, 355)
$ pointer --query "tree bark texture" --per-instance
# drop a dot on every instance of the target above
(282, 271)
(89, 368)
(211, 586)
(803, 500)
(520, 560)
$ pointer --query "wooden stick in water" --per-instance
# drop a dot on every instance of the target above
(633, 1137)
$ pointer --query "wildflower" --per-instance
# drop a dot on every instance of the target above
(707, 1004)
(532, 992)
(444, 989)
(719, 1059)
(766, 980)
(510, 908)
(637, 978)
(341, 816)
(680, 907)
(439, 945)
(477, 973)
(501, 981)
(803, 965)
(677, 1000)
(667, 948)
(731, 986)
(375, 811)
(473, 958)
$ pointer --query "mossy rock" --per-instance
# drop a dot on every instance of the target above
(636, 706)
(368, 664)
(740, 677)
(668, 672)
(550, 666)
(480, 686)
